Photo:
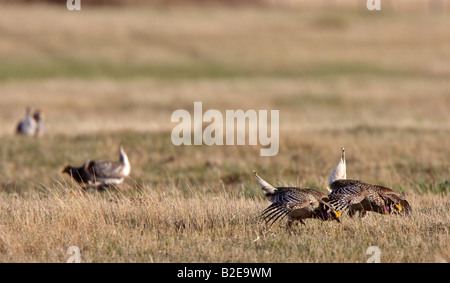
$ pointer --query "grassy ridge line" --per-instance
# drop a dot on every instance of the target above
(68, 68)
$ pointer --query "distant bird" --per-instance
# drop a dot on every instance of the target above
(39, 116)
(110, 172)
(295, 203)
(359, 196)
(100, 172)
(80, 174)
(27, 126)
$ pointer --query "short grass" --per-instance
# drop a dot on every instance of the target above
(376, 83)
(205, 201)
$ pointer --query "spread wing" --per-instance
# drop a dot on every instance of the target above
(346, 192)
(106, 169)
(285, 201)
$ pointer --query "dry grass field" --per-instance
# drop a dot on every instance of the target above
(377, 83)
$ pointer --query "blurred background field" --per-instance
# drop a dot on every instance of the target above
(376, 82)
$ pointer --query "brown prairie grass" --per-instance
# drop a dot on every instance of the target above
(203, 205)
(163, 227)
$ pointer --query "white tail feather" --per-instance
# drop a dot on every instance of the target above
(340, 171)
(125, 161)
(266, 187)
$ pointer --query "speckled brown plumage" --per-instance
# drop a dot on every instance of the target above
(298, 204)
(359, 196)
(295, 203)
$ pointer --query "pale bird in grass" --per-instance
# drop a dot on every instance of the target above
(32, 125)
(27, 126)
(110, 172)
(102, 172)
(295, 203)
(359, 196)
